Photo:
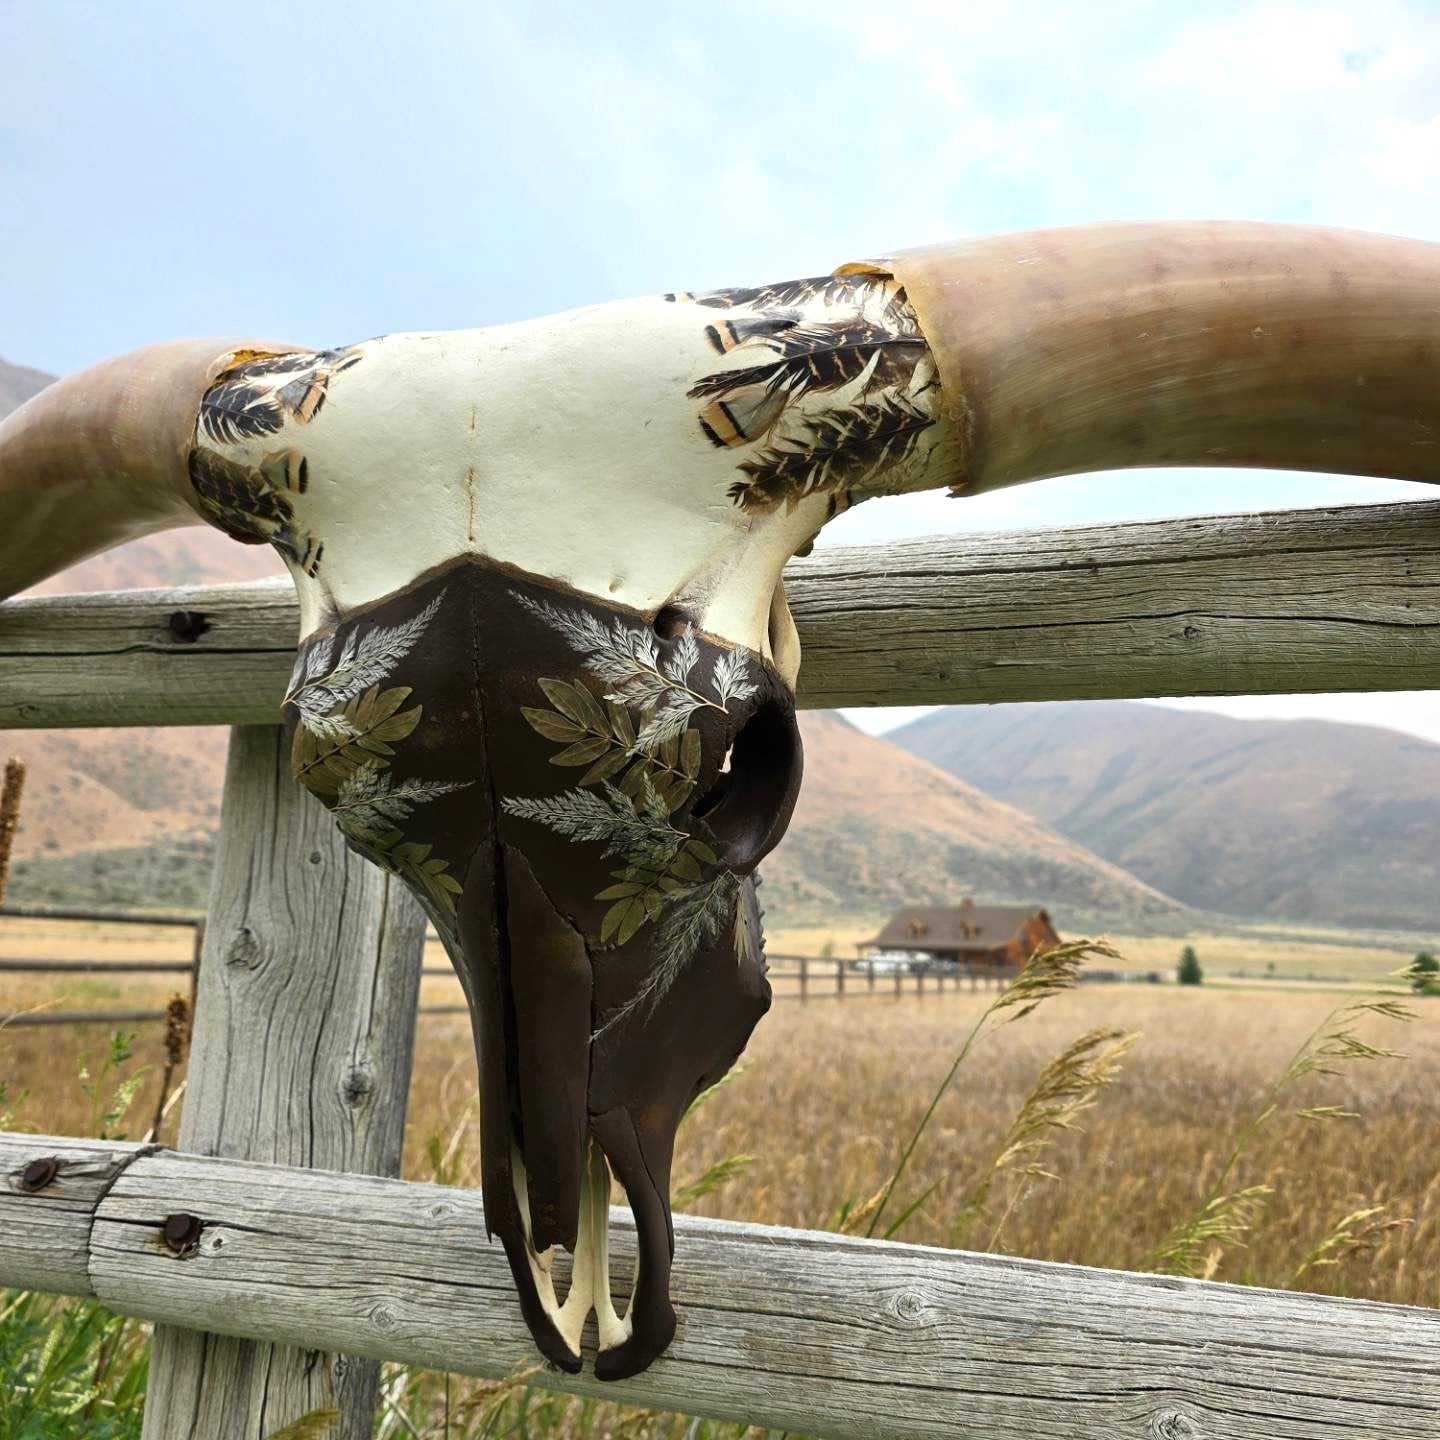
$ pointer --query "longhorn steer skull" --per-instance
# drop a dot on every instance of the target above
(546, 669)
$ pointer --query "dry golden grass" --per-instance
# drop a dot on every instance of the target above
(831, 1092)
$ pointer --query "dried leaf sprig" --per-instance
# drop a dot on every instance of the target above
(1357, 1233)
(1064, 1090)
(1048, 972)
(1223, 1218)
(324, 681)
(625, 657)
(10, 793)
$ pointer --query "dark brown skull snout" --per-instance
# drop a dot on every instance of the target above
(578, 796)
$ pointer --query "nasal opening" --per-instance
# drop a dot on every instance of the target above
(749, 805)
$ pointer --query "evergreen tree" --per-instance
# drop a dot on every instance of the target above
(1189, 971)
(1425, 974)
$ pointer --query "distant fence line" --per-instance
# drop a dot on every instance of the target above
(792, 977)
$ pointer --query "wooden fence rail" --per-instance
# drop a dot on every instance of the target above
(801, 1331)
(1302, 601)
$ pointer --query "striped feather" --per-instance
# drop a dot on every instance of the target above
(252, 506)
(727, 335)
(255, 397)
(841, 450)
(739, 421)
(814, 290)
(820, 358)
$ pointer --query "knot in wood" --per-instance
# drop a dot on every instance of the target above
(39, 1173)
(187, 626)
(909, 1305)
(359, 1085)
(1173, 1425)
(244, 952)
(383, 1318)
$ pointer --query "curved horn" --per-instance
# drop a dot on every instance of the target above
(1105, 347)
(100, 458)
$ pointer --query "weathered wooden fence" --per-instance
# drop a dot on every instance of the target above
(96, 967)
(279, 1262)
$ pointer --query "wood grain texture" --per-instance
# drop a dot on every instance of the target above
(304, 1028)
(1298, 602)
(45, 1232)
(115, 658)
(817, 1333)
(1285, 602)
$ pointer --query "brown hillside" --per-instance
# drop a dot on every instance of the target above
(17, 384)
(98, 789)
(876, 828)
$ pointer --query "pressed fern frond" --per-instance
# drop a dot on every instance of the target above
(365, 659)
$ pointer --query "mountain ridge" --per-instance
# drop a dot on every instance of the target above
(1314, 820)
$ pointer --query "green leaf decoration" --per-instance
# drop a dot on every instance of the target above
(621, 891)
(634, 917)
(634, 780)
(678, 792)
(604, 768)
(685, 867)
(611, 921)
(592, 714)
(582, 752)
(690, 753)
(621, 726)
(551, 725)
(702, 852)
(369, 723)
(575, 703)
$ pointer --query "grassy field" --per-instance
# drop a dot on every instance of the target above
(831, 1092)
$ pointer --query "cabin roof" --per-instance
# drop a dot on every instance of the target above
(966, 926)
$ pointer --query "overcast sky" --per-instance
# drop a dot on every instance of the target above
(326, 172)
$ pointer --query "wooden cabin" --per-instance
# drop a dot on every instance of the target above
(971, 935)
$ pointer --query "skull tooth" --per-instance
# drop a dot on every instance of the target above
(590, 1272)
(613, 1330)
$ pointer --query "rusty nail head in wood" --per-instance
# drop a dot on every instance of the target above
(181, 1232)
(39, 1173)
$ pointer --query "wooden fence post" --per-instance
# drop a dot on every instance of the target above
(804, 978)
(304, 1032)
(839, 979)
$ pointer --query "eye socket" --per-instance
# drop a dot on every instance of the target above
(669, 621)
